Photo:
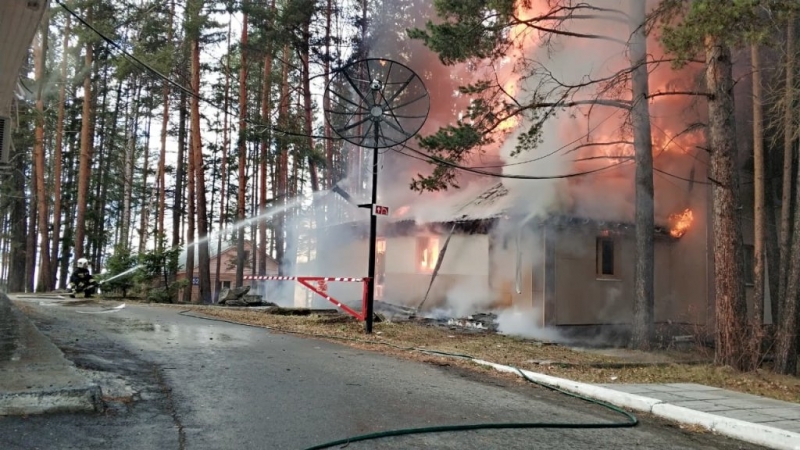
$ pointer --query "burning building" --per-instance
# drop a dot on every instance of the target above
(562, 270)
(559, 247)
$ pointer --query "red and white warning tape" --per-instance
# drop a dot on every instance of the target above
(279, 278)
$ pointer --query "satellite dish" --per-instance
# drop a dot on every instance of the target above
(376, 103)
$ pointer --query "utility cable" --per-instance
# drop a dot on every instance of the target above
(445, 162)
(167, 79)
(629, 422)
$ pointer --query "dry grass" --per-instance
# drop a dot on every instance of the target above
(557, 360)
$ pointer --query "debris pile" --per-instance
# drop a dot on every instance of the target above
(240, 297)
(478, 322)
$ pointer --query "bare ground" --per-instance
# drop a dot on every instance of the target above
(593, 366)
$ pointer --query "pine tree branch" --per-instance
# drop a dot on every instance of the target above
(532, 24)
(690, 93)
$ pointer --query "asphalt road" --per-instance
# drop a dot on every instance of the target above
(177, 382)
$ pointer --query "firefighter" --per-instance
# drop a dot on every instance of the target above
(82, 280)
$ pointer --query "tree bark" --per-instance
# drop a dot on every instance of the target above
(204, 268)
(42, 199)
(731, 309)
(240, 256)
(19, 230)
(756, 327)
(788, 153)
(224, 166)
(190, 175)
(787, 320)
(144, 214)
(180, 173)
(162, 158)
(326, 99)
(786, 336)
(771, 210)
(127, 177)
(85, 168)
(304, 56)
(58, 151)
(643, 331)
(30, 245)
(105, 175)
(283, 162)
(69, 217)
(265, 142)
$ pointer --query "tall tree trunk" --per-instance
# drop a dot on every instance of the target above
(224, 166)
(786, 336)
(58, 151)
(105, 175)
(86, 148)
(304, 57)
(787, 320)
(240, 256)
(772, 194)
(731, 309)
(129, 166)
(266, 119)
(283, 162)
(180, 171)
(96, 239)
(144, 216)
(326, 99)
(190, 175)
(19, 226)
(30, 245)
(204, 268)
(70, 207)
(254, 207)
(788, 153)
(643, 325)
(162, 158)
(42, 199)
(756, 328)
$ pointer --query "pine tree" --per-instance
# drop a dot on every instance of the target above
(42, 200)
(86, 147)
(242, 145)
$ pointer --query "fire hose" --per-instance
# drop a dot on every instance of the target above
(629, 422)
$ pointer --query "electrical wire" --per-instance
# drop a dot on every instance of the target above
(165, 78)
(445, 162)
(629, 422)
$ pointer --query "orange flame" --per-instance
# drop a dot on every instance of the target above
(429, 254)
(680, 223)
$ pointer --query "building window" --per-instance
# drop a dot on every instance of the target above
(226, 285)
(427, 253)
(605, 256)
(749, 265)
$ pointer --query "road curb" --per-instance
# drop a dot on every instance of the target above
(753, 433)
(70, 400)
(35, 377)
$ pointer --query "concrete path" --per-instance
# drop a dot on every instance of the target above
(35, 378)
(201, 384)
(749, 418)
(721, 402)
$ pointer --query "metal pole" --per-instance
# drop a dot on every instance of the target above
(373, 231)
